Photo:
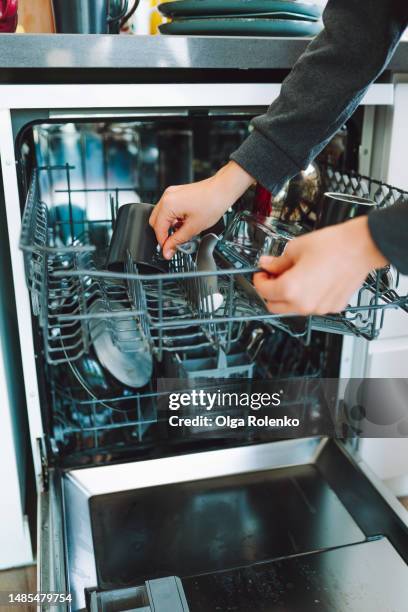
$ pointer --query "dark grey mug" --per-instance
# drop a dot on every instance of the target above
(339, 207)
(133, 234)
(90, 16)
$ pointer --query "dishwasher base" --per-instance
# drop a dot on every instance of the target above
(189, 528)
(367, 577)
(207, 514)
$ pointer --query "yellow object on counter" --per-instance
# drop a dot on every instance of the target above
(156, 18)
(35, 17)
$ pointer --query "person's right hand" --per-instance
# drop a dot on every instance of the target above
(192, 208)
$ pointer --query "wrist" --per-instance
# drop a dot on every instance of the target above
(233, 180)
(363, 241)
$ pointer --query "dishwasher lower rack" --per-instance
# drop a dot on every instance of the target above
(95, 430)
(87, 429)
(64, 262)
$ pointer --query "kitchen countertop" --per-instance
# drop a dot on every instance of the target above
(82, 52)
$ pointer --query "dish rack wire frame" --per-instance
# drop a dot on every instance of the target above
(95, 425)
(63, 279)
(365, 318)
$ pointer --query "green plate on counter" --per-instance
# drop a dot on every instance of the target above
(274, 15)
(240, 26)
(212, 8)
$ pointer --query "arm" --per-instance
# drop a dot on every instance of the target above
(323, 89)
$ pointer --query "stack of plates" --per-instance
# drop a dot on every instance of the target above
(241, 18)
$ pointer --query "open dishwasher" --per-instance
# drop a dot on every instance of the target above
(134, 515)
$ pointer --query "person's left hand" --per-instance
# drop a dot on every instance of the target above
(319, 272)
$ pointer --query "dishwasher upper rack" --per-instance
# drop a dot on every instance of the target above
(165, 305)
(364, 316)
(168, 305)
(65, 279)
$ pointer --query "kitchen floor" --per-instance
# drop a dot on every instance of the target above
(24, 579)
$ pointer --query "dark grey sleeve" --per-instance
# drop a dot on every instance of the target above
(321, 92)
(389, 229)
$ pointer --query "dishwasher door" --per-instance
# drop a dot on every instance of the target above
(218, 519)
(51, 565)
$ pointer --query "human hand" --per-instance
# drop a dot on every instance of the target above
(192, 208)
(319, 272)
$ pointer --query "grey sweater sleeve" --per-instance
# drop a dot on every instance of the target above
(319, 95)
